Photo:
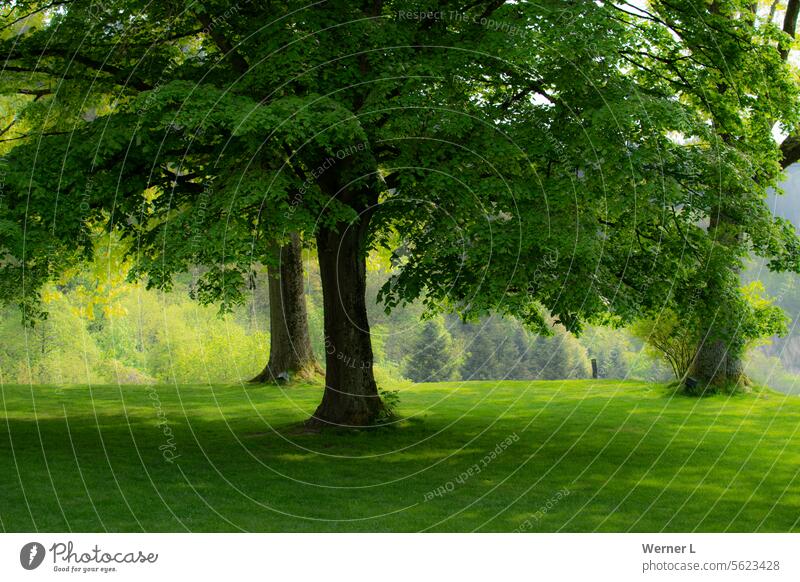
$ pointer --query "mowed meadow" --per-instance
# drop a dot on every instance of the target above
(575, 456)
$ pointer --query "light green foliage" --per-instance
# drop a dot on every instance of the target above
(672, 338)
(763, 318)
(148, 338)
(749, 314)
(59, 350)
(783, 288)
(192, 344)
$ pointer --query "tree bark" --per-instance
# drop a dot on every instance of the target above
(289, 343)
(351, 396)
(716, 365)
(718, 361)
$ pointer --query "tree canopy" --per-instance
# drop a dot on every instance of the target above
(524, 158)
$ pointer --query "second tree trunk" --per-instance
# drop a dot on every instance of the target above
(290, 350)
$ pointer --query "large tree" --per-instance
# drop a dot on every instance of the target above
(521, 158)
(290, 351)
(713, 305)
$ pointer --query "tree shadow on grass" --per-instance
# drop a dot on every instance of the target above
(234, 464)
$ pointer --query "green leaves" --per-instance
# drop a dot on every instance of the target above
(527, 158)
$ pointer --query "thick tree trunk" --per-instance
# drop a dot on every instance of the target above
(717, 365)
(718, 361)
(351, 396)
(289, 344)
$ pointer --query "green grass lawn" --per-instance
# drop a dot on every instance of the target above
(604, 455)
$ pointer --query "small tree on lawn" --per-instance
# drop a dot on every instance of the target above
(670, 337)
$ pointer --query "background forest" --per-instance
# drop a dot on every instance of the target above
(102, 329)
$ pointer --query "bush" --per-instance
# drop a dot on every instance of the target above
(671, 338)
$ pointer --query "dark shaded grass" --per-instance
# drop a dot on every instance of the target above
(632, 456)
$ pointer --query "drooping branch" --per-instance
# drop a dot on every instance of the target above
(35, 92)
(53, 4)
(119, 75)
(8, 127)
(27, 135)
(36, 69)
